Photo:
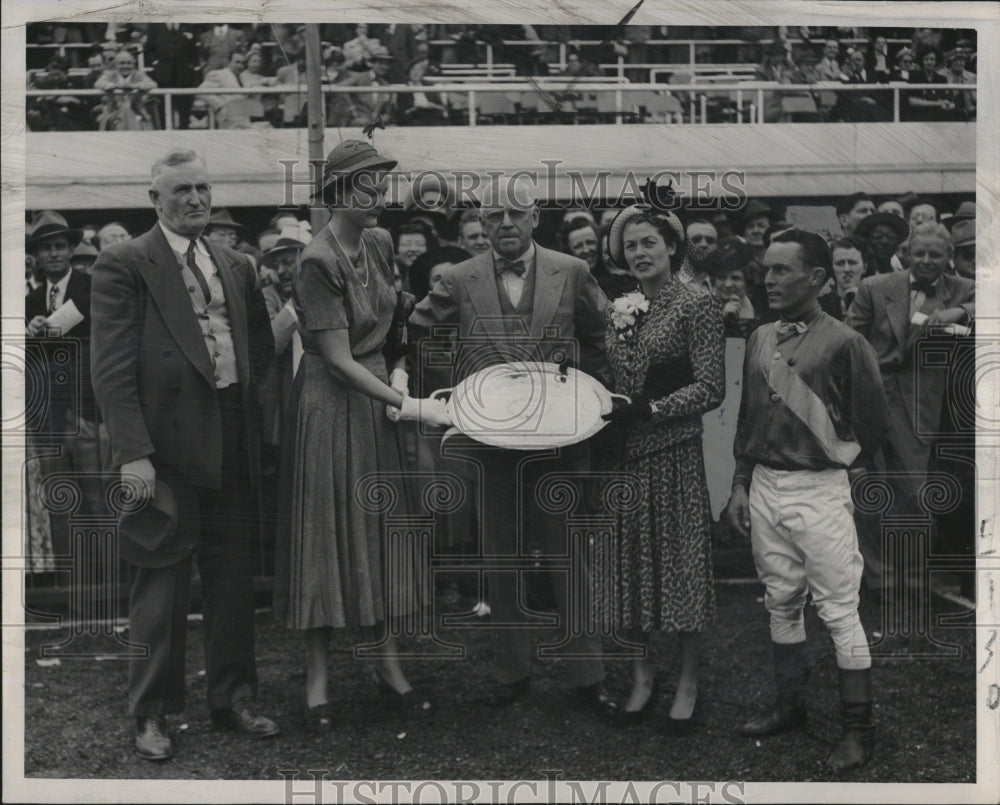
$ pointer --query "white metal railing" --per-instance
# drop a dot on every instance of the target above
(557, 93)
(692, 45)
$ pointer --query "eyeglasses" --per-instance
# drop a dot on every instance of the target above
(697, 240)
(495, 217)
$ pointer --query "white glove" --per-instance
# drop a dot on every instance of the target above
(425, 410)
(399, 380)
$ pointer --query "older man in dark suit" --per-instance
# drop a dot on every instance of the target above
(180, 337)
(894, 311)
(520, 301)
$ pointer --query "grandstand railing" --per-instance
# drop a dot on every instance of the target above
(748, 96)
(620, 66)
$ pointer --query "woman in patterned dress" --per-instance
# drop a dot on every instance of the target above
(666, 350)
(332, 575)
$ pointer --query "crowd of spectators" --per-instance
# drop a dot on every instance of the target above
(128, 60)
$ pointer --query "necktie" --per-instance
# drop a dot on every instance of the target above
(849, 299)
(517, 266)
(788, 326)
(53, 295)
(922, 285)
(193, 265)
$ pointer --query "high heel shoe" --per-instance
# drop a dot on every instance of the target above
(408, 702)
(632, 718)
(683, 727)
(319, 719)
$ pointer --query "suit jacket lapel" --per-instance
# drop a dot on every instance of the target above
(485, 298)
(236, 308)
(897, 307)
(163, 277)
(549, 282)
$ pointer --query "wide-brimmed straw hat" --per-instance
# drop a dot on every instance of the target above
(630, 214)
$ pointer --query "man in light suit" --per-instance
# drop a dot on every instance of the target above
(520, 301)
(232, 111)
(894, 311)
(180, 337)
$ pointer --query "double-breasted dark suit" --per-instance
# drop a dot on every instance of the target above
(914, 387)
(173, 55)
(565, 305)
(154, 380)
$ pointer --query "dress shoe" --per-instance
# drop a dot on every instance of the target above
(151, 740)
(243, 717)
(406, 702)
(683, 727)
(632, 718)
(596, 699)
(504, 694)
(319, 719)
(788, 714)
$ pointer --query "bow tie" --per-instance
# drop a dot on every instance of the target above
(788, 326)
(922, 285)
(517, 266)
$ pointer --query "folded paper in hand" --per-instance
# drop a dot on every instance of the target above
(64, 318)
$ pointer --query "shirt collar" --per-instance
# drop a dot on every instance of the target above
(61, 284)
(809, 316)
(179, 243)
(528, 257)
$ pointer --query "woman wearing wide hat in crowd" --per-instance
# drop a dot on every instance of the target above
(332, 576)
(665, 348)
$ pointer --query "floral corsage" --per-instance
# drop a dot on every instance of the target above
(625, 313)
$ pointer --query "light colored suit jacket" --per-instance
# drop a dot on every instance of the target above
(231, 111)
(568, 309)
(881, 312)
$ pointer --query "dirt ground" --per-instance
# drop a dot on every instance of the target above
(75, 724)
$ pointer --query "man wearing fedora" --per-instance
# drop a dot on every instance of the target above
(281, 260)
(180, 339)
(895, 311)
(884, 233)
(963, 235)
(520, 301)
(362, 108)
(69, 415)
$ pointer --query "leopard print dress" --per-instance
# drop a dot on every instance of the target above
(662, 579)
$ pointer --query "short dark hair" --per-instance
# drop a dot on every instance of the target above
(419, 274)
(852, 242)
(774, 229)
(732, 254)
(846, 204)
(815, 252)
(662, 225)
(571, 226)
(416, 228)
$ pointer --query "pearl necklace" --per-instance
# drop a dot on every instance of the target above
(362, 256)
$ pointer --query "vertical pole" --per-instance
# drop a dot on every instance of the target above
(472, 107)
(168, 112)
(317, 116)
